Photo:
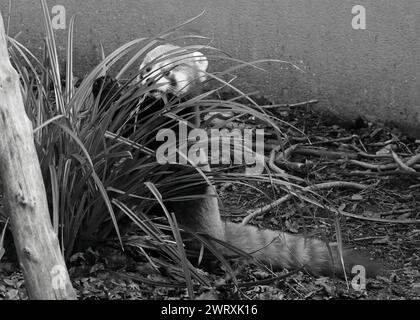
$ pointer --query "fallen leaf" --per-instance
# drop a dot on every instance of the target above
(404, 216)
(356, 197)
(384, 240)
(210, 295)
(416, 287)
(12, 294)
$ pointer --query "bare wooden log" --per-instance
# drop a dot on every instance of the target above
(37, 246)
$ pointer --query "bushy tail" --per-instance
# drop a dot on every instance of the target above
(280, 249)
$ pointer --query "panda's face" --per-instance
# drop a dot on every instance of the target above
(170, 70)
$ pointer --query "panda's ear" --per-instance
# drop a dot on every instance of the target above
(200, 60)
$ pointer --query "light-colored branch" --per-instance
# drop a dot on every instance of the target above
(412, 161)
(401, 164)
(37, 246)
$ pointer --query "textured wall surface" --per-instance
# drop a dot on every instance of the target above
(373, 72)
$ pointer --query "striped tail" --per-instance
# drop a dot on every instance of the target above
(284, 250)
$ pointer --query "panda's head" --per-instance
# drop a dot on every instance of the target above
(172, 70)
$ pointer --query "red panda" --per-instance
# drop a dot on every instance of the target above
(173, 70)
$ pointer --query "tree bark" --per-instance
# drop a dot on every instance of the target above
(37, 246)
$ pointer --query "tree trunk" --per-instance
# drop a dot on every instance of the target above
(37, 246)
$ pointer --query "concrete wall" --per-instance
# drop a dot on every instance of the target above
(373, 72)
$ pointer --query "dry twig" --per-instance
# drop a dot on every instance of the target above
(320, 186)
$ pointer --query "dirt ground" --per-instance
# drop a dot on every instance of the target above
(374, 156)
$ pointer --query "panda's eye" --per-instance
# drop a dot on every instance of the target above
(148, 69)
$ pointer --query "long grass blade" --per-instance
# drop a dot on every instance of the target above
(175, 229)
(53, 57)
(69, 61)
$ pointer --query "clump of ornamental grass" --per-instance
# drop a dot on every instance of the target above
(96, 169)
